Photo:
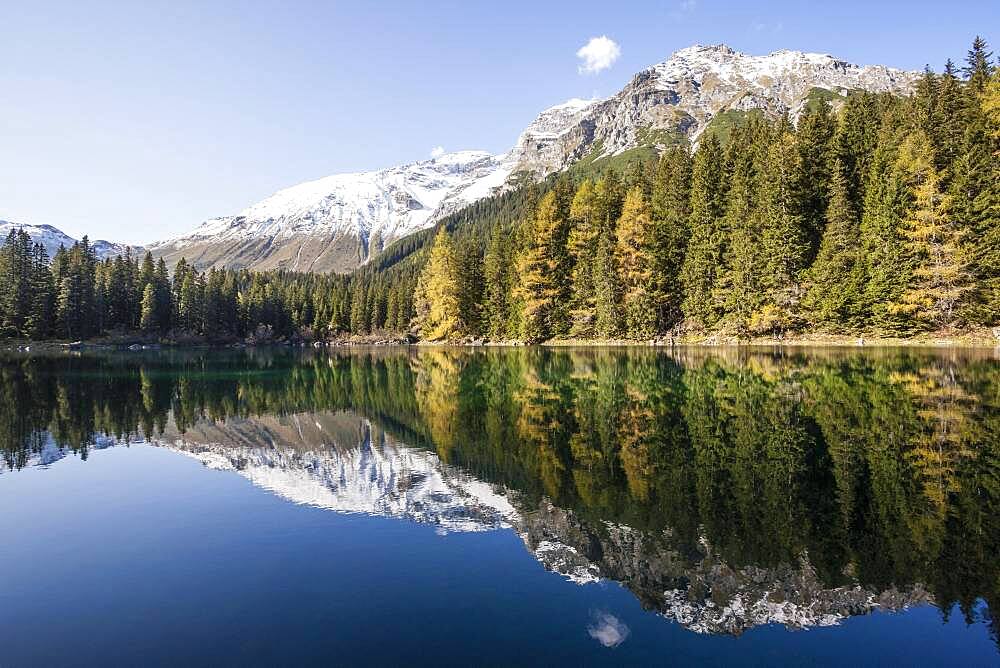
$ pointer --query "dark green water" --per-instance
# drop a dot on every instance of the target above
(454, 506)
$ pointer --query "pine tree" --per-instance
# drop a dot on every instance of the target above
(707, 241)
(835, 277)
(438, 296)
(41, 316)
(978, 64)
(786, 238)
(635, 265)
(470, 268)
(671, 210)
(814, 146)
(585, 213)
(607, 293)
(855, 141)
(150, 310)
(887, 266)
(739, 286)
(497, 276)
(975, 203)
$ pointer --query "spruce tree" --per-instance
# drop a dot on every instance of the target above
(814, 146)
(786, 238)
(835, 277)
(585, 213)
(887, 265)
(707, 241)
(978, 65)
(671, 210)
(497, 276)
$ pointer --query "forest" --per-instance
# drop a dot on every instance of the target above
(872, 214)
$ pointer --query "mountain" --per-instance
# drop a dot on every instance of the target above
(336, 223)
(52, 238)
(696, 87)
(339, 222)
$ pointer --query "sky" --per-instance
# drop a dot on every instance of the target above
(135, 121)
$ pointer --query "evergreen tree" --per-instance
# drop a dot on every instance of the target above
(978, 65)
(149, 318)
(497, 277)
(608, 316)
(887, 266)
(585, 214)
(814, 146)
(835, 277)
(708, 235)
(671, 210)
(786, 237)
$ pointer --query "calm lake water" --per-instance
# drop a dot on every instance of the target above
(447, 506)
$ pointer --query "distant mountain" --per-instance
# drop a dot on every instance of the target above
(52, 238)
(339, 222)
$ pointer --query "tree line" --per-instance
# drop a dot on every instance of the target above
(78, 296)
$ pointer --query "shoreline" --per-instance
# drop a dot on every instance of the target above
(971, 339)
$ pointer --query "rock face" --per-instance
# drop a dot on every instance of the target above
(337, 223)
(680, 97)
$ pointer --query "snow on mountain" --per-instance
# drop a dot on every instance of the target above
(682, 95)
(337, 223)
(52, 238)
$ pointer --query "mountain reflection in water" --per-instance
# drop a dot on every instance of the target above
(725, 488)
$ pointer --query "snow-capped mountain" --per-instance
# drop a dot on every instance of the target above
(52, 238)
(338, 222)
(682, 95)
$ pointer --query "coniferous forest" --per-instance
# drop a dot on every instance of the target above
(877, 215)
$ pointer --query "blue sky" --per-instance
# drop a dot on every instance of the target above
(135, 121)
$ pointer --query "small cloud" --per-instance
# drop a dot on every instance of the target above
(437, 152)
(683, 8)
(608, 629)
(598, 54)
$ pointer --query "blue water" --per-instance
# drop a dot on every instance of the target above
(143, 556)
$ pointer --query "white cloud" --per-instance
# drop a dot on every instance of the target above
(608, 629)
(437, 152)
(598, 54)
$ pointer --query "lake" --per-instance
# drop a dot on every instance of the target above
(500, 506)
